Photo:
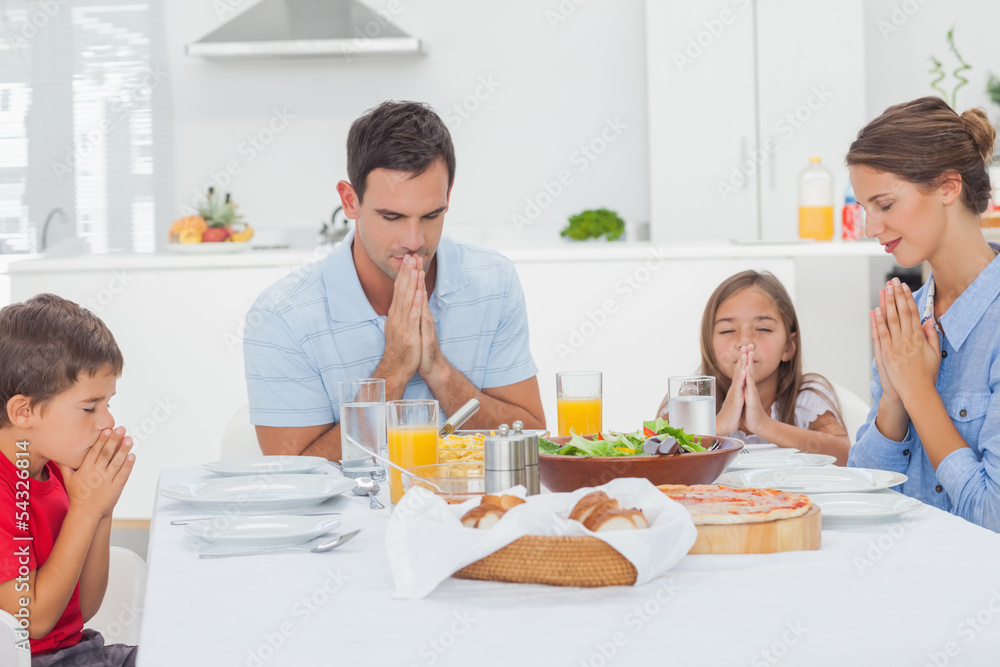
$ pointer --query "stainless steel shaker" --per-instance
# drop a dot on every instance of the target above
(531, 479)
(504, 465)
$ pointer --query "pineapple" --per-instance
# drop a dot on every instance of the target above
(218, 212)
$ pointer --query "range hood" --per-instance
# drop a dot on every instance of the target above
(306, 28)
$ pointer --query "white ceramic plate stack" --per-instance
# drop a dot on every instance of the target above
(258, 494)
(780, 458)
(766, 447)
(829, 479)
(838, 508)
(266, 465)
(262, 531)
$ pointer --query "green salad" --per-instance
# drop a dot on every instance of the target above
(620, 444)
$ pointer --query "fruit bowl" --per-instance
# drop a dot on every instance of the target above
(560, 473)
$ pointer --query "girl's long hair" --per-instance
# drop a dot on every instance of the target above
(790, 376)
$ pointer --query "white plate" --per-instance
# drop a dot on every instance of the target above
(860, 506)
(780, 459)
(283, 492)
(209, 248)
(766, 446)
(830, 479)
(262, 531)
(265, 465)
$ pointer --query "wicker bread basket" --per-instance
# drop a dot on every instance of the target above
(586, 562)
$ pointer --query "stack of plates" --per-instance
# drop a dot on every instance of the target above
(779, 458)
(842, 494)
(265, 465)
(828, 479)
(262, 531)
(259, 494)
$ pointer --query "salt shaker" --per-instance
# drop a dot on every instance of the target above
(531, 480)
(504, 460)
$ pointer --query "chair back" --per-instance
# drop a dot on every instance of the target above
(13, 642)
(239, 440)
(120, 614)
(853, 408)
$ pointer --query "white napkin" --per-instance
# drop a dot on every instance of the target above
(427, 542)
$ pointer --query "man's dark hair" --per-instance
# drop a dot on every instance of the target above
(400, 136)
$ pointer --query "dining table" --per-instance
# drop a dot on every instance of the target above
(921, 588)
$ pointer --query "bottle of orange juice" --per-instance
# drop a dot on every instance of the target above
(816, 202)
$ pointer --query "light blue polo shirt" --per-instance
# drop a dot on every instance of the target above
(312, 329)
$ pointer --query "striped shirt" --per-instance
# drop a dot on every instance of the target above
(313, 329)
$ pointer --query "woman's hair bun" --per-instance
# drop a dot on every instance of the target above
(978, 125)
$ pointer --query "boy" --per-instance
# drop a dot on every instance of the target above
(62, 469)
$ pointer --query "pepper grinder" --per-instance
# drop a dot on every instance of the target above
(504, 466)
(531, 480)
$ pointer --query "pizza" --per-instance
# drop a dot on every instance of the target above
(712, 505)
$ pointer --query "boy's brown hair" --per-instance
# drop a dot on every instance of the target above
(46, 342)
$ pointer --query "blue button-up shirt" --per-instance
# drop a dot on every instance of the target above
(967, 482)
(316, 327)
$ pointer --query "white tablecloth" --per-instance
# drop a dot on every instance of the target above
(922, 591)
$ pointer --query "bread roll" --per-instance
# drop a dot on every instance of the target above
(491, 501)
(472, 517)
(489, 511)
(490, 518)
(615, 519)
(507, 502)
(482, 516)
(589, 503)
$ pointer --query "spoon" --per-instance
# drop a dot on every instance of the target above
(325, 545)
(423, 481)
(366, 486)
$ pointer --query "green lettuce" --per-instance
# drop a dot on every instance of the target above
(614, 442)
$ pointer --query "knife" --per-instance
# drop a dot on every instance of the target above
(460, 417)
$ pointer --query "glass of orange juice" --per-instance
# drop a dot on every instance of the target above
(579, 402)
(412, 433)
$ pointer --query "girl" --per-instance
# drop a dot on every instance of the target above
(749, 342)
(919, 170)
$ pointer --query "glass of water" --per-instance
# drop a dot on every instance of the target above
(692, 404)
(362, 427)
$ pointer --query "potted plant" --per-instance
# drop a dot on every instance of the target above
(938, 70)
(593, 224)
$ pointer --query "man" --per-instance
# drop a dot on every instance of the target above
(396, 300)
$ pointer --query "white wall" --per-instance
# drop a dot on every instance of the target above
(559, 83)
(902, 35)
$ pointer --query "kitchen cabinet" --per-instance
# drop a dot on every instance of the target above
(741, 94)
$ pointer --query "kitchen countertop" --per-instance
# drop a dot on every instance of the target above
(558, 252)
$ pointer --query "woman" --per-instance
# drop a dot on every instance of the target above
(919, 170)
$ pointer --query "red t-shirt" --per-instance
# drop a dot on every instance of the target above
(46, 504)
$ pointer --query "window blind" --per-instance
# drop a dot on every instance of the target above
(84, 124)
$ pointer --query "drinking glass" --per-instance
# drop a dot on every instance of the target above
(692, 403)
(412, 428)
(579, 402)
(362, 427)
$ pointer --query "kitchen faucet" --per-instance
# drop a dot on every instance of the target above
(48, 219)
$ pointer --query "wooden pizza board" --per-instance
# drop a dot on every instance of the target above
(801, 533)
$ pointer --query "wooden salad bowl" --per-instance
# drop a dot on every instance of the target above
(560, 473)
